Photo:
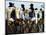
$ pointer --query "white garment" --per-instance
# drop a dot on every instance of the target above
(11, 19)
(22, 14)
(17, 13)
(8, 12)
(36, 12)
(33, 19)
(40, 14)
(26, 15)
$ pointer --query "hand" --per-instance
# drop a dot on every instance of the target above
(11, 19)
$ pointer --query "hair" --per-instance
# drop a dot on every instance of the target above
(36, 8)
(22, 5)
(31, 6)
(40, 8)
(11, 4)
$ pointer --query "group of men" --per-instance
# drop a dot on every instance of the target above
(32, 14)
(23, 13)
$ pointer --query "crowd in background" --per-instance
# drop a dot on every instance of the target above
(24, 20)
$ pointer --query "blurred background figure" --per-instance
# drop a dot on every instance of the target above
(40, 13)
(22, 10)
(26, 14)
(35, 14)
(17, 12)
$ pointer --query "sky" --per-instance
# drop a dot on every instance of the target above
(27, 4)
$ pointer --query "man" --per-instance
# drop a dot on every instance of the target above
(11, 12)
(26, 14)
(11, 16)
(41, 13)
(21, 13)
(31, 9)
(36, 14)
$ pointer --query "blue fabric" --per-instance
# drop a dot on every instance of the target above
(30, 14)
(13, 15)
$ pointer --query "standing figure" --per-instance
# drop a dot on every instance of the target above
(36, 11)
(11, 17)
(22, 10)
(11, 14)
(31, 9)
(40, 13)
